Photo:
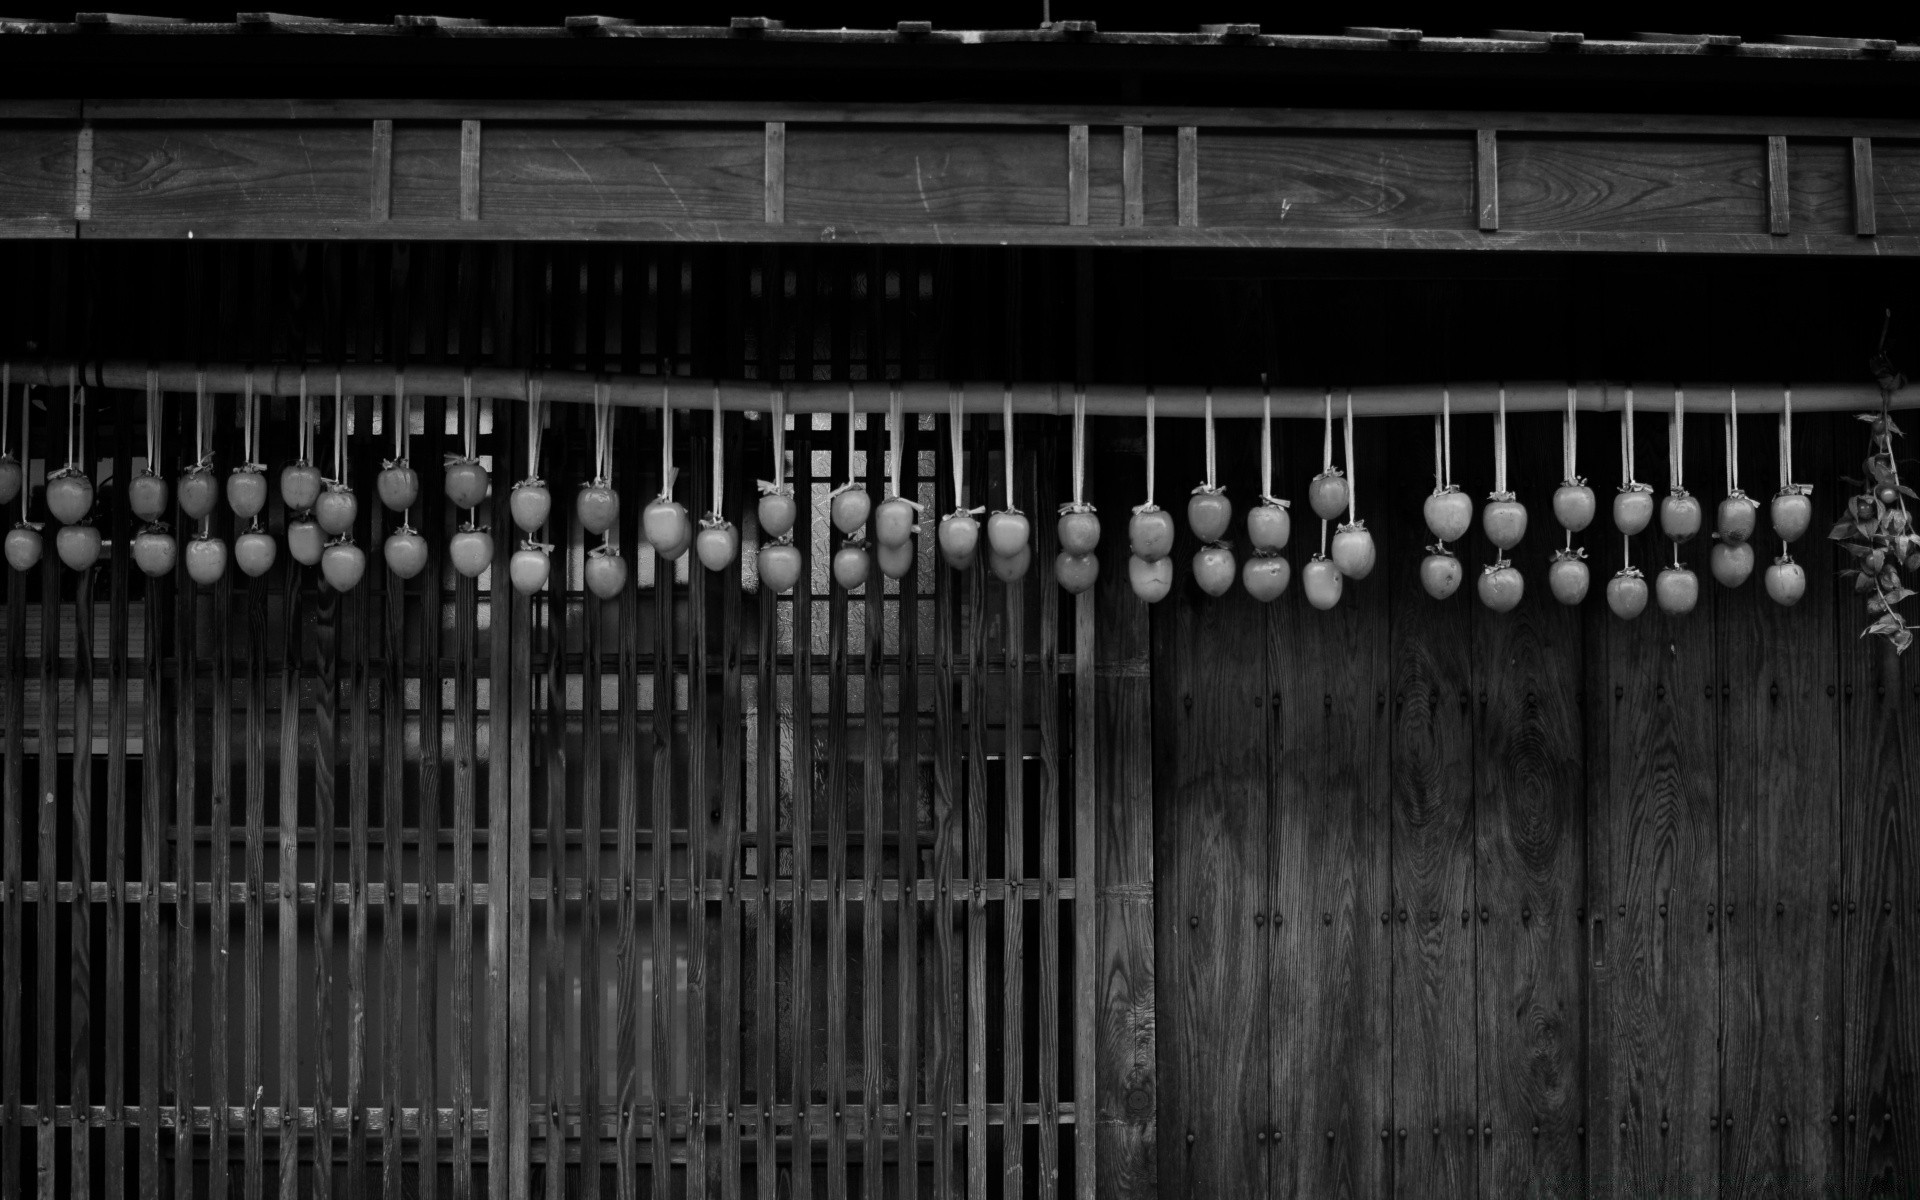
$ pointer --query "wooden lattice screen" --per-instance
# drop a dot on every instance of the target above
(698, 891)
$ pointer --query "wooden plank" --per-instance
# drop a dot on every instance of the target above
(509, 795)
(942, 1051)
(1040, 468)
(1314, 181)
(39, 173)
(287, 922)
(1659, 821)
(873, 730)
(1076, 174)
(114, 965)
(909, 926)
(628, 1092)
(1877, 907)
(185, 713)
(1436, 1059)
(1614, 184)
(593, 1043)
(1086, 949)
(1187, 163)
(547, 769)
(392, 650)
(804, 776)
(1896, 184)
(776, 172)
(1820, 186)
(590, 172)
(1864, 224)
(1781, 977)
(47, 825)
(80, 1035)
(380, 172)
(469, 170)
(660, 849)
(732, 752)
(1013, 728)
(838, 175)
(83, 174)
(1486, 179)
(1329, 986)
(976, 837)
(1133, 192)
(838, 785)
(431, 671)
(703, 1082)
(12, 975)
(766, 862)
(1530, 836)
(465, 620)
(309, 173)
(220, 860)
(1779, 187)
(1210, 777)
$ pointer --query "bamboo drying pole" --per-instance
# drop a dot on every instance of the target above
(932, 396)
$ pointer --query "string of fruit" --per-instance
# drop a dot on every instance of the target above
(779, 559)
(467, 483)
(606, 570)
(529, 504)
(1077, 567)
(197, 493)
(898, 518)
(342, 564)
(665, 520)
(1150, 535)
(300, 488)
(1632, 513)
(1327, 496)
(1267, 572)
(399, 485)
(1447, 509)
(1573, 506)
(1209, 512)
(849, 508)
(23, 545)
(154, 550)
(78, 542)
(718, 541)
(254, 550)
(1009, 547)
(1791, 513)
(1504, 521)
(1677, 589)
(1731, 559)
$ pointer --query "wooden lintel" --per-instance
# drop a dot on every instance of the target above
(1779, 196)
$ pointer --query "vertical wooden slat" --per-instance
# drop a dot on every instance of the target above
(776, 173)
(766, 859)
(357, 607)
(837, 785)
(220, 794)
(380, 172)
(550, 752)
(465, 601)
(393, 795)
(1187, 163)
(1076, 174)
(114, 979)
(873, 722)
(1434, 1062)
(704, 1082)
(186, 784)
(47, 826)
(80, 929)
(1086, 961)
(907, 922)
(592, 1048)
(12, 977)
(626, 988)
(1530, 832)
(1779, 188)
(803, 790)
(1013, 914)
(1040, 467)
(942, 1044)
(469, 174)
(287, 922)
(431, 673)
(661, 846)
(976, 839)
(729, 784)
(1486, 179)
(1865, 223)
(1133, 189)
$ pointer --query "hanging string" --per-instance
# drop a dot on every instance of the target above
(719, 451)
(1326, 436)
(1079, 447)
(1626, 436)
(402, 423)
(1729, 433)
(1266, 441)
(1676, 448)
(339, 433)
(1150, 451)
(73, 419)
(1500, 446)
(1570, 441)
(1439, 473)
(896, 438)
(1353, 473)
(1446, 430)
(302, 449)
(956, 438)
(780, 438)
(201, 455)
(471, 420)
(26, 451)
(603, 418)
(1786, 441)
(536, 420)
(153, 419)
(246, 418)
(853, 476)
(1209, 414)
(6, 409)
(1006, 443)
(666, 441)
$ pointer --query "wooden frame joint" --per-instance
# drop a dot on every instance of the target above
(1188, 158)
(1779, 193)
(1076, 174)
(1486, 180)
(469, 170)
(776, 173)
(83, 174)
(1864, 224)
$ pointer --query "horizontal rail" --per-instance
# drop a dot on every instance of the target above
(1056, 399)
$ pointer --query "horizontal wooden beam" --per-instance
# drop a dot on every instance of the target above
(1174, 400)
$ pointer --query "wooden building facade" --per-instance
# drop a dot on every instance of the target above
(949, 886)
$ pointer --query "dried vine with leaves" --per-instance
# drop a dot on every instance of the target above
(1878, 530)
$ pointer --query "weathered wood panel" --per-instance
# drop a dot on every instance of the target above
(1896, 186)
(36, 179)
(1819, 185)
(272, 172)
(621, 171)
(1605, 185)
(1318, 181)
(888, 174)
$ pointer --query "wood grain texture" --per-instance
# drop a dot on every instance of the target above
(1486, 180)
(890, 173)
(590, 171)
(1819, 186)
(1211, 815)
(1317, 182)
(1780, 782)
(1329, 979)
(1896, 187)
(1530, 838)
(12, 974)
(37, 174)
(1865, 189)
(1660, 826)
(1435, 1053)
(316, 173)
(1779, 187)
(1657, 187)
